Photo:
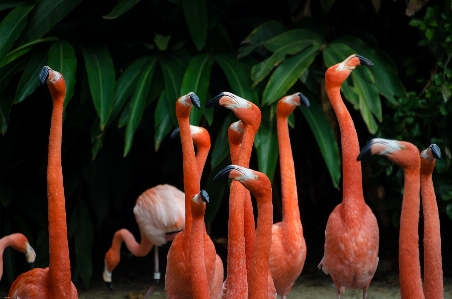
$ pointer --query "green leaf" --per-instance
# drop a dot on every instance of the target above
(266, 142)
(30, 77)
(120, 8)
(162, 41)
(220, 149)
(62, 59)
(7, 4)
(6, 73)
(261, 70)
(6, 100)
(287, 73)
(325, 139)
(101, 78)
(238, 75)
(294, 41)
(11, 27)
(197, 79)
(45, 15)
(162, 119)
(173, 74)
(195, 12)
(24, 49)
(138, 101)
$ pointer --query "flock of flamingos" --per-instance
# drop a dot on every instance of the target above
(264, 258)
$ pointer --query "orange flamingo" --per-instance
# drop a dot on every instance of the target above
(259, 185)
(433, 269)
(178, 280)
(351, 235)
(288, 250)
(20, 243)
(406, 155)
(55, 281)
(198, 273)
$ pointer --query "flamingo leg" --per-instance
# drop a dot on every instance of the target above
(156, 273)
(364, 293)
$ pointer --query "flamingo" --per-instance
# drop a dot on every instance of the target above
(178, 280)
(259, 185)
(54, 281)
(433, 269)
(198, 267)
(160, 214)
(351, 235)
(20, 243)
(288, 250)
(406, 155)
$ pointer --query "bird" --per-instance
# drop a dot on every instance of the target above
(198, 273)
(260, 186)
(351, 234)
(406, 155)
(54, 281)
(20, 243)
(288, 250)
(177, 278)
(160, 215)
(433, 269)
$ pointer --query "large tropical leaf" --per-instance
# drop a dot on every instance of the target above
(163, 122)
(30, 77)
(120, 8)
(197, 80)
(173, 74)
(325, 139)
(11, 27)
(266, 142)
(62, 59)
(220, 149)
(24, 49)
(101, 78)
(45, 15)
(287, 73)
(138, 102)
(196, 16)
(238, 75)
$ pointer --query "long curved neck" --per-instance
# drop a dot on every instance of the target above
(409, 264)
(258, 283)
(199, 280)
(59, 265)
(433, 270)
(351, 169)
(201, 158)
(290, 210)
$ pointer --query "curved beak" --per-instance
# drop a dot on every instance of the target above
(364, 60)
(175, 133)
(436, 152)
(215, 101)
(204, 196)
(195, 100)
(224, 173)
(43, 75)
(304, 100)
(109, 285)
(365, 152)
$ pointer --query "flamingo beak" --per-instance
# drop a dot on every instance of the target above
(44, 75)
(364, 61)
(224, 173)
(365, 152)
(204, 196)
(215, 101)
(436, 152)
(304, 100)
(109, 285)
(175, 133)
(195, 100)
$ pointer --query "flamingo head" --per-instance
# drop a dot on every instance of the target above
(198, 204)
(30, 255)
(402, 153)
(200, 136)
(235, 132)
(185, 102)
(245, 110)
(336, 74)
(428, 159)
(287, 104)
(55, 82)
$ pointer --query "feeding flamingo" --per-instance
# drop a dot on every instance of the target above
(406, 155)
(351, 235)
(53, 282)
(259, 185)
(20, 243)
(433, 269)
(288, 250)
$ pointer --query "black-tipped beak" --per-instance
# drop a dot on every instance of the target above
(365, 152)
(224, 173)
(109, 285)
(364, 60)
(304, 100)
(195, 100)
(436, 152)
(175, 133)
(204, 196)
(215, 101)
(43, 75)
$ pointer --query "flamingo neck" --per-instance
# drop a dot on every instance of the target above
(433, 271)
(351, 168)
(201, 158)
(59, 265)
(409, 264)
(199, 281)
(290, 210)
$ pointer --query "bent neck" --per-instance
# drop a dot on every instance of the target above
(59, 265)
(201, 159)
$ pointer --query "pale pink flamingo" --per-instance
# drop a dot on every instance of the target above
(20, 243)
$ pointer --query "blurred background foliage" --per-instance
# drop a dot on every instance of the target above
(126, 62)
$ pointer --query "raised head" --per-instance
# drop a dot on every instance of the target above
(200, 136)
(428, 158)
(402, 153)
(235, 132)
(287, 104)
(198, 204)
(185, 102)
(55, 82)
(336, 74)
